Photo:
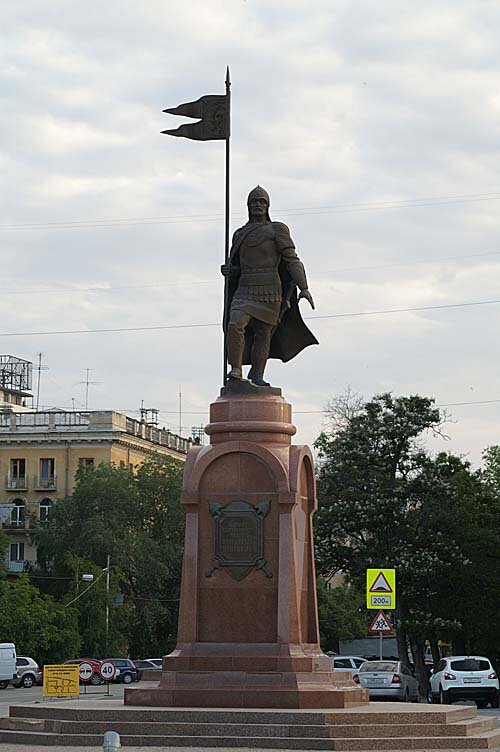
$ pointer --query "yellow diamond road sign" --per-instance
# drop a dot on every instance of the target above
(381, 588)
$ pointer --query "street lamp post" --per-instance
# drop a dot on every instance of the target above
(107, 604)
(90, 578)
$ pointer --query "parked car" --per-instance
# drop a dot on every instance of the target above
(126, 671)
(96, 664)
(465, 677)
(389, 679)
(147, 664)
(158, 662)
(28, 672)
(350, 663)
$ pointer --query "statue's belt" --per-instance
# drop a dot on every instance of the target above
(267, 277)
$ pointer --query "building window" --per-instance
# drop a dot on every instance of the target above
(47, 468)
(45, 508)
(86, 462)
(17, 514)
(17, 469)
(16, 552)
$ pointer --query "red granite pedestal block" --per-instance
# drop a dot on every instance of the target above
(249, 638)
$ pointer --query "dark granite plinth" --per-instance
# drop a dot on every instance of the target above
(244, 386)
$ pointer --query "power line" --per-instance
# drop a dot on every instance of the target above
(298, 211)
(447, 404)
(306, 412)
(340, 270)
(162, 327)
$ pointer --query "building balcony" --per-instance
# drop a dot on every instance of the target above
(45, 484)
(16, 483)
(17, 526)
(16, 566)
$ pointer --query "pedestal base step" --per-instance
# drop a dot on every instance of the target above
(379, 726)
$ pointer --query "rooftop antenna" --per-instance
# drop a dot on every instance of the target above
(87, 384)
(39, 369)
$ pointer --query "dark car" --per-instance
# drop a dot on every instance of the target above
(96, 665)
(126, 671)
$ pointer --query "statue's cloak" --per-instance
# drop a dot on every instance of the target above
(291, 335)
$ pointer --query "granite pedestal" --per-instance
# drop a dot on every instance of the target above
(248, 624)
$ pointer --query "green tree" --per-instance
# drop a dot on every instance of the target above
(341, 614)
(137, 521)
(4, 547)
(385, 503)
(40, 627)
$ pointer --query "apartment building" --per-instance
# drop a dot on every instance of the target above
(40, 452)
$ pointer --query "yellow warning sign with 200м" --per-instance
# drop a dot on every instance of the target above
(381, 588)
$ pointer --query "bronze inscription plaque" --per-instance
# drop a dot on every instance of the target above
(239, 537)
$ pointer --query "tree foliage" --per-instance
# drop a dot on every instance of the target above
(341, 614)
(137, 521)
(385, 502)
(37, 625)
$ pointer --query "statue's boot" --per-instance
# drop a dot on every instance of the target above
(260, 353)
(235, 373)
(235, 342)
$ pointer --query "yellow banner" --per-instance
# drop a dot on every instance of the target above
(61, 680)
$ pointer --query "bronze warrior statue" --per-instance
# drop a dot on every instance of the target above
(264, 272)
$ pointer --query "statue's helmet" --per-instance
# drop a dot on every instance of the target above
(259, 192)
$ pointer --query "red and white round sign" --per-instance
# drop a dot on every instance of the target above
(86, 671)
(107, 671)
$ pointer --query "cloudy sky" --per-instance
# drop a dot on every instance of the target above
(374, 126)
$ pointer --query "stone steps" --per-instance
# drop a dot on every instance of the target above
(376, 727)
(335, 731)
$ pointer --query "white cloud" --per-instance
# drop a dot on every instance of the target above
(349, 103)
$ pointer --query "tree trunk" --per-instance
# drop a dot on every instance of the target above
(401, 635)
(418, 649)
(436, 657)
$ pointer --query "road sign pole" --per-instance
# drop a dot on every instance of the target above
(381, 645)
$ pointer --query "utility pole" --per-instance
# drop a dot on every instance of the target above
(107, 604)
(180, 412)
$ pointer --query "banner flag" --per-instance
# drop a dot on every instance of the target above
(213, 125)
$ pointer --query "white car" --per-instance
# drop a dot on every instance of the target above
(349, 663)
(465, 677)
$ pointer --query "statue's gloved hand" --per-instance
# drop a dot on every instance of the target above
(229, 270)
(307, 296)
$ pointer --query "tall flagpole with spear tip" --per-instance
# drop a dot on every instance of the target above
(213, 112)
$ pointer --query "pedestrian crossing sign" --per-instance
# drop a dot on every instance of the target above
(381, 588)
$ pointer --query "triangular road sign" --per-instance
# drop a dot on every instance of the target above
(380, 584)
(381, 623)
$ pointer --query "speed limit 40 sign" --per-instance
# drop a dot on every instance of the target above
(107, 671)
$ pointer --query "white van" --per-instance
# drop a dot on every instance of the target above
(7, 663)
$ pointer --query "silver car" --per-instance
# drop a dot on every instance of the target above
(28, 672)
(388, 679)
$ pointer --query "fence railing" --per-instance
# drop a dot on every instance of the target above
(15, 482)
(45, 484)
(53, 420)
(16, 566)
